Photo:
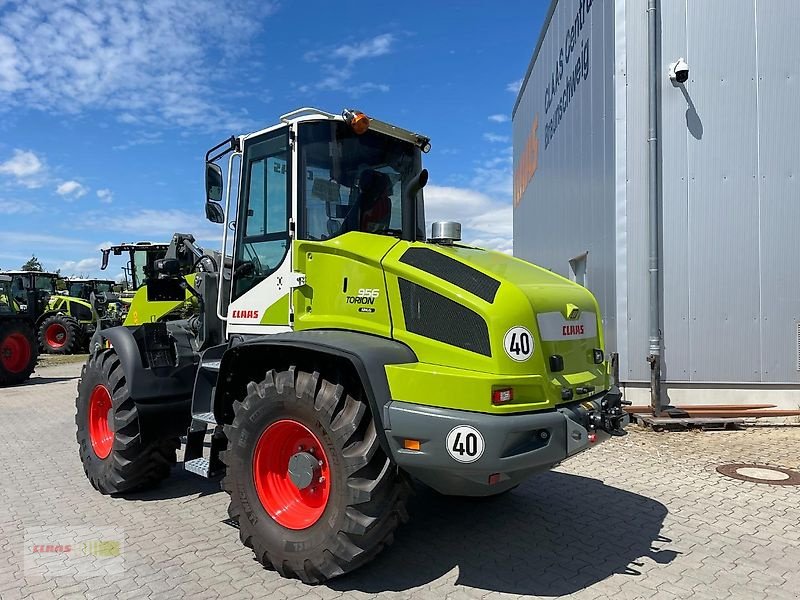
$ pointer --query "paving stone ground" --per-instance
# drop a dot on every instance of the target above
(644, 516)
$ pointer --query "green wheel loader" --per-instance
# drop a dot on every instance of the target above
(18, 348)
(139, 268)
(338, 353)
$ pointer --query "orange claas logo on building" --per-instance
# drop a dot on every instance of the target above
(528, 161)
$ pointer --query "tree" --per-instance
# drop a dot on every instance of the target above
(33, 264)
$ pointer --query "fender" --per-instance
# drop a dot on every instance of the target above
(366, 354)
(162, 394)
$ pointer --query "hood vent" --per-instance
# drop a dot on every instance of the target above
(452, 271)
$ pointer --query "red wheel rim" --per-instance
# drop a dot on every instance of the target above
(55, 335)
(100, 432)
(15, 353)
(289, 505)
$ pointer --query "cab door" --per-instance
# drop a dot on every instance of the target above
(260, 289)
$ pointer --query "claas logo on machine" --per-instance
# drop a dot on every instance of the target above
(244, 314)
(567, 330)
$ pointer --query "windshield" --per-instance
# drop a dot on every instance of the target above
(47, 284)
(354, 182)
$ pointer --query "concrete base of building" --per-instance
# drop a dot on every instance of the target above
(784, 397)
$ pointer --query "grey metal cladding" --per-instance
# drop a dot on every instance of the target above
(777, 33)
(431, 315)
(723, 277)
(452, 271)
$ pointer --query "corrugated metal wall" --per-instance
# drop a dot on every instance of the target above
(730, 170)
(567, 208)
(731, 206)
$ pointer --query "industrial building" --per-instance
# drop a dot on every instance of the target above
(657, 162)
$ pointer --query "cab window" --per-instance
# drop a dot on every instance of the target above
(263, 225)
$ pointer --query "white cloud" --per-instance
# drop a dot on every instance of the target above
(149, 62)
(377, 46)
(499, 118)
(24, 165)
(85, 266)
(17, 207)
(71, 189)
(155, 225)
(514, 86)
(486, 220)
(495, 138)
(106, 196)
(337, 70)
(37, 241)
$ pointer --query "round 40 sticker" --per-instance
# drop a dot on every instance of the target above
(518, 343)
(465, 443)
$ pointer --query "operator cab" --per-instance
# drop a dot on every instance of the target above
(313, 177)
(40, 282)
(141, 260)
(84, 288)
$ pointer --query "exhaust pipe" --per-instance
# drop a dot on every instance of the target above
(410, 206)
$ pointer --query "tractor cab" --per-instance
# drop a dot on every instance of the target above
(141, 257)
(84, 288)
(37, 285)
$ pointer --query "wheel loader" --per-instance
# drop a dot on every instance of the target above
(18, 347)
(338, 353)
(140, 267)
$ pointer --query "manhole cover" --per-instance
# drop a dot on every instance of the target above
(761, 474)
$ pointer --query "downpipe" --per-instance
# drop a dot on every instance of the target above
(654, 357)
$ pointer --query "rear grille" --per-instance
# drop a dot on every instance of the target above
(431, 315)
(452, 271)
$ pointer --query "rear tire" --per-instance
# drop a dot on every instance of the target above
(109, 440)
(60, 334)
(18, 351)
(364, 493)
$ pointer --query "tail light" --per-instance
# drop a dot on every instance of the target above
(502, 396)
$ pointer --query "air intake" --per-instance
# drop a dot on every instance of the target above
(452, 271)
(431, 315)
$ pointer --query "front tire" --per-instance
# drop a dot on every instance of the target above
(109, 440)
(18, 352)
(343, 499)
(60, 334)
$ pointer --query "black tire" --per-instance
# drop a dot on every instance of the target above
(368, 494)
(130, 465)
(18, 351)
(68, 327)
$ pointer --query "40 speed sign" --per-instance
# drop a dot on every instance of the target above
(465, 443)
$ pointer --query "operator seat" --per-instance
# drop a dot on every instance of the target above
(372, 211)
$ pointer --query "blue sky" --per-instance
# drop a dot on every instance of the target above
(107, 108)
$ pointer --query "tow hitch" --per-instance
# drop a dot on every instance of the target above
(603, 414)
(611, 417)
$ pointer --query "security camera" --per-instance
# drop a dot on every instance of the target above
(679, 71)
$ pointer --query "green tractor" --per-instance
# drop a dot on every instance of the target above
(142, 257)
(18, 347)
(65, 318)
(339, 353)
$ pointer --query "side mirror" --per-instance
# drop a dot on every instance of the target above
(104, 264)
(213, 182)
(214, 212)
